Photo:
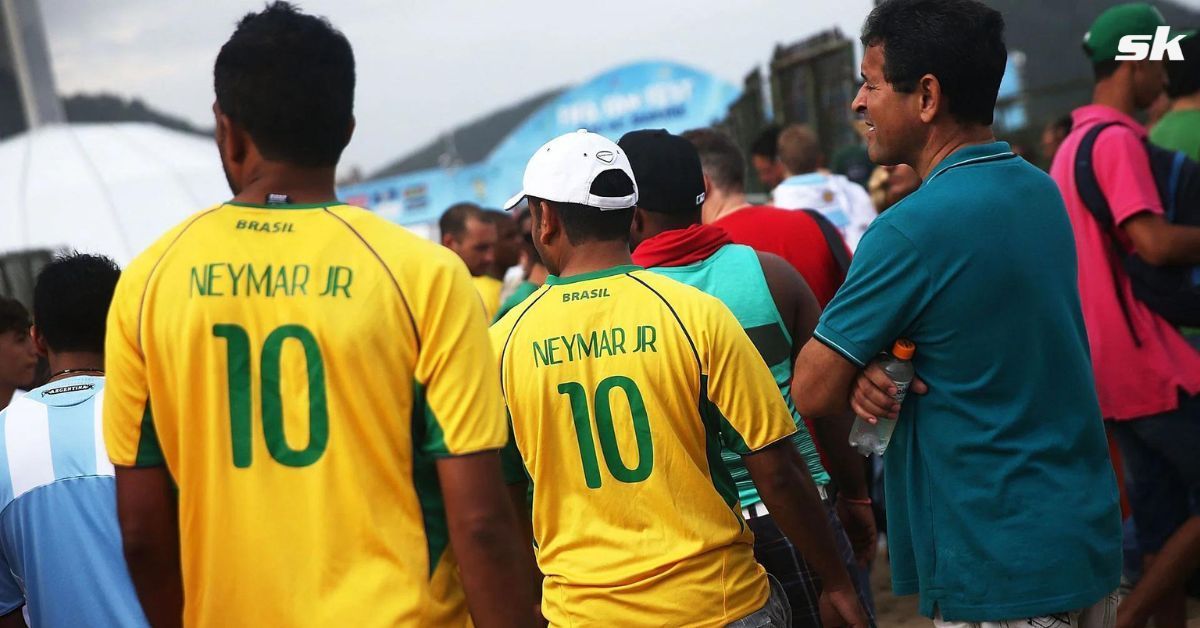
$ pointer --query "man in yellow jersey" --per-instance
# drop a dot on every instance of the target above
(307, 374)
(778, 311)
(533, 271)
(472, 235)
(507, 259)
(622, 386)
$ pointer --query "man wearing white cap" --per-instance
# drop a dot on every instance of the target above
(622, 386)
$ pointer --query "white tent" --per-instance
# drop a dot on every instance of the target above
(103, 188)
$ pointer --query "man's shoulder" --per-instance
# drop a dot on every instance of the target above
(504, 326)
(1117, 141)
(404, 253)
(385, 236)
(688, 302)
(764, 217)
(1116, 137)
(803, 191)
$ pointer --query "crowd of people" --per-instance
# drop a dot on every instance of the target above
(313, 423)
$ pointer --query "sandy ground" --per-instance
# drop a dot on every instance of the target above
(901, 612)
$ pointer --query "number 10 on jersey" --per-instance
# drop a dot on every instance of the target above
(577, 395)
(240, 392)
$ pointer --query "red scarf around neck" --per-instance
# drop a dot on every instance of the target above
(680, 247)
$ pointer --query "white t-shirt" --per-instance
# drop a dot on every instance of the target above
(841, 201)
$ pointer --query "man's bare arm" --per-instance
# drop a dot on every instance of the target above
(148, 512)
(800, 311)
(793, 298)
(1161, 243)
(491, 551)
(822, 380)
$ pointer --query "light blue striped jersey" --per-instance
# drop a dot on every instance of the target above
(60, 543)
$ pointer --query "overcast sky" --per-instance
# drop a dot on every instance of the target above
(426, 66)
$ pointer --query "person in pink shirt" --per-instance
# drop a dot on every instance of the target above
(1147, 374)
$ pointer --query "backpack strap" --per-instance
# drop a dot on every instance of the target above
(833, 238)
(1173, 185)
(1085, 179)
(1093, 199)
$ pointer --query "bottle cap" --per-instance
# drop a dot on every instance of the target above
(904, 349)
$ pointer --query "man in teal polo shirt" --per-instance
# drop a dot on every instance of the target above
(1001, 502)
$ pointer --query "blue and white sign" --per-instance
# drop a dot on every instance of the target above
(636, 96)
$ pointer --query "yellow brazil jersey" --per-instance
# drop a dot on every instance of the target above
(621, 386)
(489, 289)
(299, 369)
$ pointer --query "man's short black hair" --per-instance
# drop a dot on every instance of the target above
(13, 316)
(720, 157)
(961, 42)
(288, 79)
(584, 224)
(1183, 77)
(454, 219)
(71, 299)
(766, 143)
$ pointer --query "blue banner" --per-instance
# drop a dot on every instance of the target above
(636, 96)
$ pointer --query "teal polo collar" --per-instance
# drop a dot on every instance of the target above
(974, 153)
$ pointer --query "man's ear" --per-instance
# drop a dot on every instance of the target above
(639, 221)
(350, 130)
(929, 91)
(39, 341)
(448, 241)
(231, 138)
(548, 222)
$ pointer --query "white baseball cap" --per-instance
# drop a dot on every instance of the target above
(563, 170)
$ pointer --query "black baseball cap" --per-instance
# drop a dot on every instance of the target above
(667, 169)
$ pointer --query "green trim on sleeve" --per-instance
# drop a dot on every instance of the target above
(510, 458)
(433, 439)
(715, 425)
(513, 466)
(425, 480)
(149, 452)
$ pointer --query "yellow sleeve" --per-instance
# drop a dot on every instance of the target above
(489, 292)
(740, 387)
(461, 390)
(510, 457)
(128, 424)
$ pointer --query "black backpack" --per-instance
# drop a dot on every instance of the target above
(1171, 291)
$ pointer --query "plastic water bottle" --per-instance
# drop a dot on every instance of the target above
(870, 438)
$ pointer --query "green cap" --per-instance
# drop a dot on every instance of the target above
(1138, 18)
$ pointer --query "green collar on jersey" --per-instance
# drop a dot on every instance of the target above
(554, 280)
(285, 205)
